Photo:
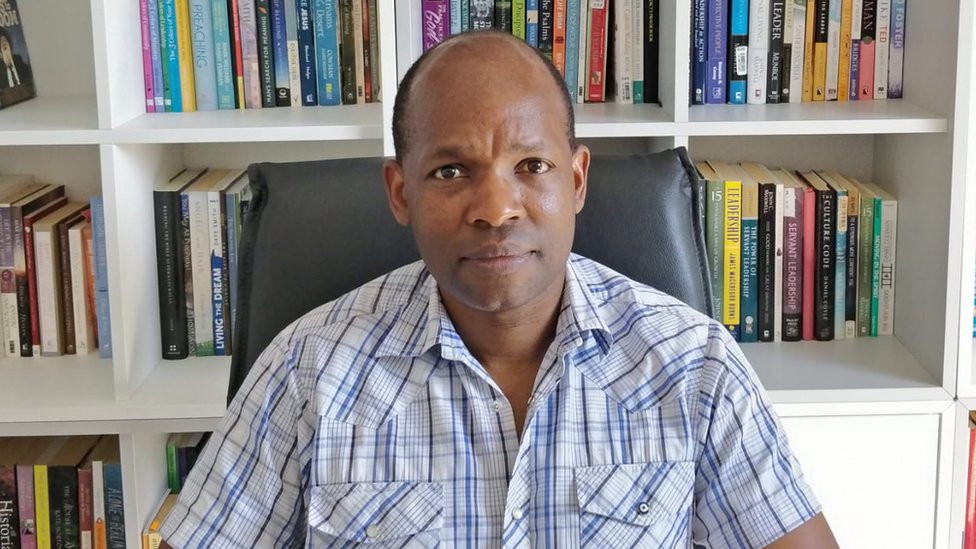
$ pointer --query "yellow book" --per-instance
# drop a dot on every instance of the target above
(844, 69)
(808, 51)
(185, 54)
(42, 507)
(732, 256)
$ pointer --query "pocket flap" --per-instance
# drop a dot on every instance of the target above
(638, 493)
(368, 511)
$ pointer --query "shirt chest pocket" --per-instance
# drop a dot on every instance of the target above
(376, 514)
(641, 504)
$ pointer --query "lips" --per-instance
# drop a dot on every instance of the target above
(498, 259)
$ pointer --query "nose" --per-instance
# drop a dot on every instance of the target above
(497, 200)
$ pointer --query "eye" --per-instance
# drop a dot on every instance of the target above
(535, 166)
(447, 172)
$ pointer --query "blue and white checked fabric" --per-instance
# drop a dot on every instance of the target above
(369, 422)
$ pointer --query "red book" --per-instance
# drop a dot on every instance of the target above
(86, 517)
(35, 321)
(235, 35)
(969, 536)
(809, 258)
(596, 65)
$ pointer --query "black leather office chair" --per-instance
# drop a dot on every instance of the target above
(316, 230)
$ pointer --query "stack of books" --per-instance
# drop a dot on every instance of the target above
(798, 255)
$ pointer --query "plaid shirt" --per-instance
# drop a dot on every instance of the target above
(369, 421)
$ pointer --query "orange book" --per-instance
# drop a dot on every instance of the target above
(821, 20)
(844, 69)
(559, 35)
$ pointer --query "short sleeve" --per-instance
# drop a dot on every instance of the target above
(749, 489)
(246, 487)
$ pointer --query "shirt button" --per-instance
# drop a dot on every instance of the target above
(517, 514)
(643, 508)
(372, 531)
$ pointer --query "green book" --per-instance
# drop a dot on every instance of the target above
(714, 232)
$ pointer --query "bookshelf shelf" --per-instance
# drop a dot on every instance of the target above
(850, 117)
(69, 120)
(613, 120)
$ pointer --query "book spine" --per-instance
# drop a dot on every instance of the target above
(865, 75)
(844, 67)
(63, 482)
(223, 60)
(171, 61)
(101, 278)
(237, 54)
(347, 44)
(184, 51)
(172, 467)
(9, 515)
(559, 35)
(798, 50)
(699, 54)
(201, 266)
(20, 284)
(896, 50)
(85, 515)
(169, 261)
(216, 236)
(715, 83)
(114, 509)
(715, 234)
(584, 54)
(865, 253)
(623, 47)
(572, 48)
(651, 50)
(969, 536)
(850, 292)
(326, 28)
(265, 53)
(82, 331)
(98, 506)
(163, 58)
(809, 260)
(306, 53)
(820, 35)
(840, 267)
(503, 15)
(188, 282)
(89, 261)
(25, 506)
(786, 61)
(435, 20)
(738, 58)
(876, 265)
(731, 257)
(233, 208)
(250, 55)
(42, 507)
(545, 27)
(33, 307)
(597, 62)
(367, 62)
(532, 23)
(748, 329)
(826, 242)
(67, 295)
(774, 62)
(155, 56)
(855, 68)
(466, 15)
(637, 28)
(767, 252)
(279, 54)
(8, 284)
(518, 18)
(778, 264)
(833, 48)
(758, 76)
(204, 69)
(455, 11)
(886, 291)
(147, 66)
(49, 292)
(809, 32)
(291, 43)
(882, 25)
(357, 45)
(374, 50)
(793, 264)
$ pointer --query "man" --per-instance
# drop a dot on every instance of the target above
(501, 392)
(13, 70)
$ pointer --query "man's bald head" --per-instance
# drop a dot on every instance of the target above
(470, 45)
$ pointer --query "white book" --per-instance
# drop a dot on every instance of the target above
(833, 48)
(623, 48)
(357, 33)
(857, 9)
(778, 266)
(84, 330)
(584, 48)
(756, 80)
(47, 267)
(216, 229)
(882, 40)
(799, 8)
(98, 501)
(291, 42)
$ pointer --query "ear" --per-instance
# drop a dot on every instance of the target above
(396, 191)
(581, 170)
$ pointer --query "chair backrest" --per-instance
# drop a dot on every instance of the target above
(316, 230)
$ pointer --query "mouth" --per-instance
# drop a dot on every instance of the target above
(497, 260)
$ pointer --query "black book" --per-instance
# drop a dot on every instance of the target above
(546, 27)
(347, 53)
(482, 13)
(767, 256)
(265, 56)
(503, 15)
(777, 13)
(652, 47)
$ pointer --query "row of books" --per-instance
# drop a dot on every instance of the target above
(603, 48)
(798, 255)
(787, 51)
(236, 54)
(53, 279)
(198, 228)
(61, 492)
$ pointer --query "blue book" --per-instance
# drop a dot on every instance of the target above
(896, 49)
(326, 26)
(455, 13)
(222, 57)
(102, 311)
(572, 47)
(852, 91)
(699, 45)
(738, 58)
(154, 54)
(306, 53)
(233, 237)
(717, 29)
(204, 63)
(279, 50)
(114, 508)
(532, 22)
(171, 55)
(749, 298)
(840, 263)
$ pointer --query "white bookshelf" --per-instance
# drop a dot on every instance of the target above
(87, 129)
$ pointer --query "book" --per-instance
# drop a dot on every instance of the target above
(50, 287)
(774, 62)
(699, 51)
(546, 10)
(821, 32)
(883, 280)
(29, 321)
(151, 535)
(12, 189)
(855, 65)
(748, 247)
(896, 49)
(84, 326)
(793, 246)
(103, 311)
(10, 450)
(572, 74)
(808, 40)
(86, 516)
(279, 53)
(833, 48)
(714, 232)
(596, 63)
(844, 66)
(359, 66)
(147, 65)
(265, 52)
(291, 43)
(223, 58)
(503, 15)
(866, 57)
(204, 58)
(16, 74)
(67, 284)
(108, 497)
(250, 81)
(184, 52)
(865, 256)
(840, 257)
(716, 52)
(738, 51)
(367, 88)
(797, 49)
(169, 52)
(786, 61)
(219, 279)
(825, 242)
(623, 48)
(768, 285)
(347, 44)
(637, 61)
(758, 74)
(306, 54)
(326, 29)
(62, 473)
(373, 55)
(853, 222)
(882, 25)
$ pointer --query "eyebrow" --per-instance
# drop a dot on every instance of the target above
(456, 151)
